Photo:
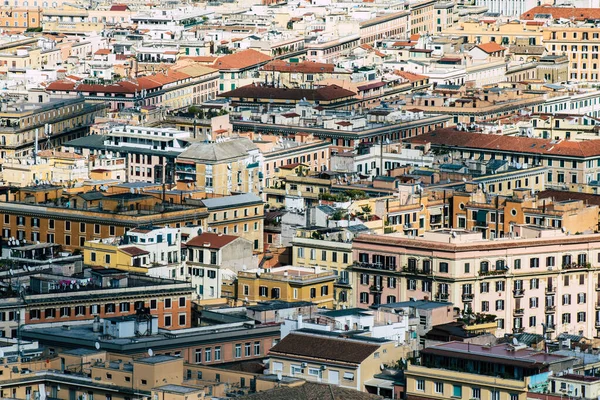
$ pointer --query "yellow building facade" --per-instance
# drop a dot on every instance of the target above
(286, 284)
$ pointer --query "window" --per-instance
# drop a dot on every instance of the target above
(181, 319)
(167, 320)
(238, 350)
(324, 290)
(499, 305)
(263, 291)
(534, 262)
(348, 376)
(364, 297)
(484, 287)
(534, 283)
(107, 258)
(476, 393)
(198, 354)
(313, 293)
(124, 307)
(444, 267)
(256, 348)
(457, 391)
(438, 387)
(208, 355)
(153, 304)
(581, 316)
(566, 318)
(581, 297)
(167, 303)
(247, 350)
(533, 302)
(485, 306)
(500, 286)
(218, 353)
(420, 385)
(65, 312)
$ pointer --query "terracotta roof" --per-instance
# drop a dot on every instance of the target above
(306, 67)
(563, 195)
(323, 348)
(410, 76)
(119, 7)
(290, 115)
(102, 52)
(211, 240)
(134, 251)
(241, 59)
(311, 391)
(491, 47)
(563, 12)
(451, 137)
(325, 93)
(290, 166)
(60, 154)
(369, 86)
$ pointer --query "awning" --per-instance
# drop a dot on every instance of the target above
(186, 162)
(380, 383)
(435, 211)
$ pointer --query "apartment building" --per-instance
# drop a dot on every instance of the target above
(208, 254)
(239, 215)
(73, 221)
(221, 168)
(21, 18)
(239, 69)
(107, 293)
(150, 152)
(493, 372)
(422, 17)
(568, 162)
(336, 360)
(539, 280)
(328, 49)
(222, 339)
(52, 120)
(385, 26)
(288, 283)
(175, 89)
(494, 216)
(144, 249)
(492, 30)
(331, 250)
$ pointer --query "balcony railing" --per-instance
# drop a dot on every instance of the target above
(417, 271)
(550, 328)
(598, 305)
(369, 265)
(550, 309)
(441, 296)
(492, 272)
(551, 290)
(467, 297)
(376, 288)
(518, 293)
(518, 330)
(577, 265)
(518, 312)
(597, 324)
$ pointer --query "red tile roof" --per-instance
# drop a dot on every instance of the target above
(258, 91)
(451, 137)
(102, 52)
(119, 7)
(410, 76)
(241, 59)
(211, 240)
(563, 12)
(491, 47)
(306, 67)
(134, 251)
(290, 166)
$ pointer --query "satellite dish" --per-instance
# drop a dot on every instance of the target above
(150, 352)
(97, 345)
(132, 190)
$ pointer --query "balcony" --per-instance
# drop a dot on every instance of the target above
(379, 266)
(598, 305)
(550, 309)
(493, 272)
(518, 330)
(519, 312)
(517, 293)
(551, 290)
(467, 297)
(550, 328)
(345, 282)
(598, 287)
(441, 296)
(417, 271)
(577, 266)
(597, 324)
(376, 288)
